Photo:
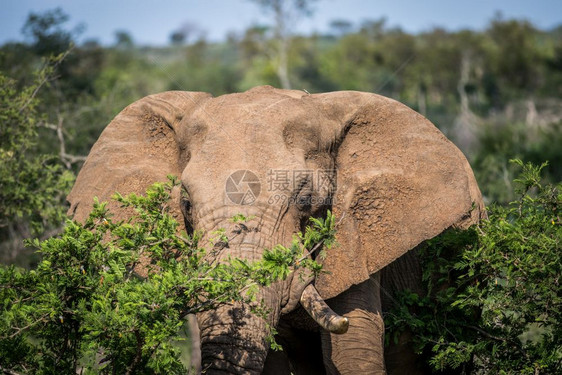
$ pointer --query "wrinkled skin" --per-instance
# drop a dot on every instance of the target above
(396, 181)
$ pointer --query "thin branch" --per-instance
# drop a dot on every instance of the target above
(67, 159)
(312, 251)
(8, 371)
(138, 355)
(19, 330)
(46, 78)
(486, 334)
(496, 338)
(339, 221)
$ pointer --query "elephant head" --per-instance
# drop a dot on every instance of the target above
(390, 177)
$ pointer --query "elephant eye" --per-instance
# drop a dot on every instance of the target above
(304, 201)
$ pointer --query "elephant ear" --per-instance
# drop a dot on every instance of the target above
(400, 181)
(142, 145)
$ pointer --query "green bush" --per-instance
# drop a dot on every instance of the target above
(85, 308)
(494, 295)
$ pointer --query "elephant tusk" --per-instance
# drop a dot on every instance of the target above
(321, 312)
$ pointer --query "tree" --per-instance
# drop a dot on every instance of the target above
(123, 39)
(341, 27)
(186, 32)
(515, 62)
(177, 38)
(285, 14)
(32, 186)
(46, 33)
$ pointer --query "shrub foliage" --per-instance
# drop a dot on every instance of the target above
(85, 308)
(494, 296)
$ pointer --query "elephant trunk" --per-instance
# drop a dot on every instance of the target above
(234, 340)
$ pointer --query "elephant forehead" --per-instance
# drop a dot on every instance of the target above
(268, 113)
(238, 108)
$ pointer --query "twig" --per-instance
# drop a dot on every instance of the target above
(486, 334)
(340, 220)
(67, 159)
(28, 326)
(44, 80)
(138, 355)
(8, 371)
(312, 251)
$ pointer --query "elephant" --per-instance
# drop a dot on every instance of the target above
(390, 177)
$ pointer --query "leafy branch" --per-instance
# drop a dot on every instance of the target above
(86, 306)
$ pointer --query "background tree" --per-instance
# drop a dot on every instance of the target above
(285, 14)
(186, 32)
(32, 186)
(341, 27)
(46, 32)
(123, 39)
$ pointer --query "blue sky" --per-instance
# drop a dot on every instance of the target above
(150, 22)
